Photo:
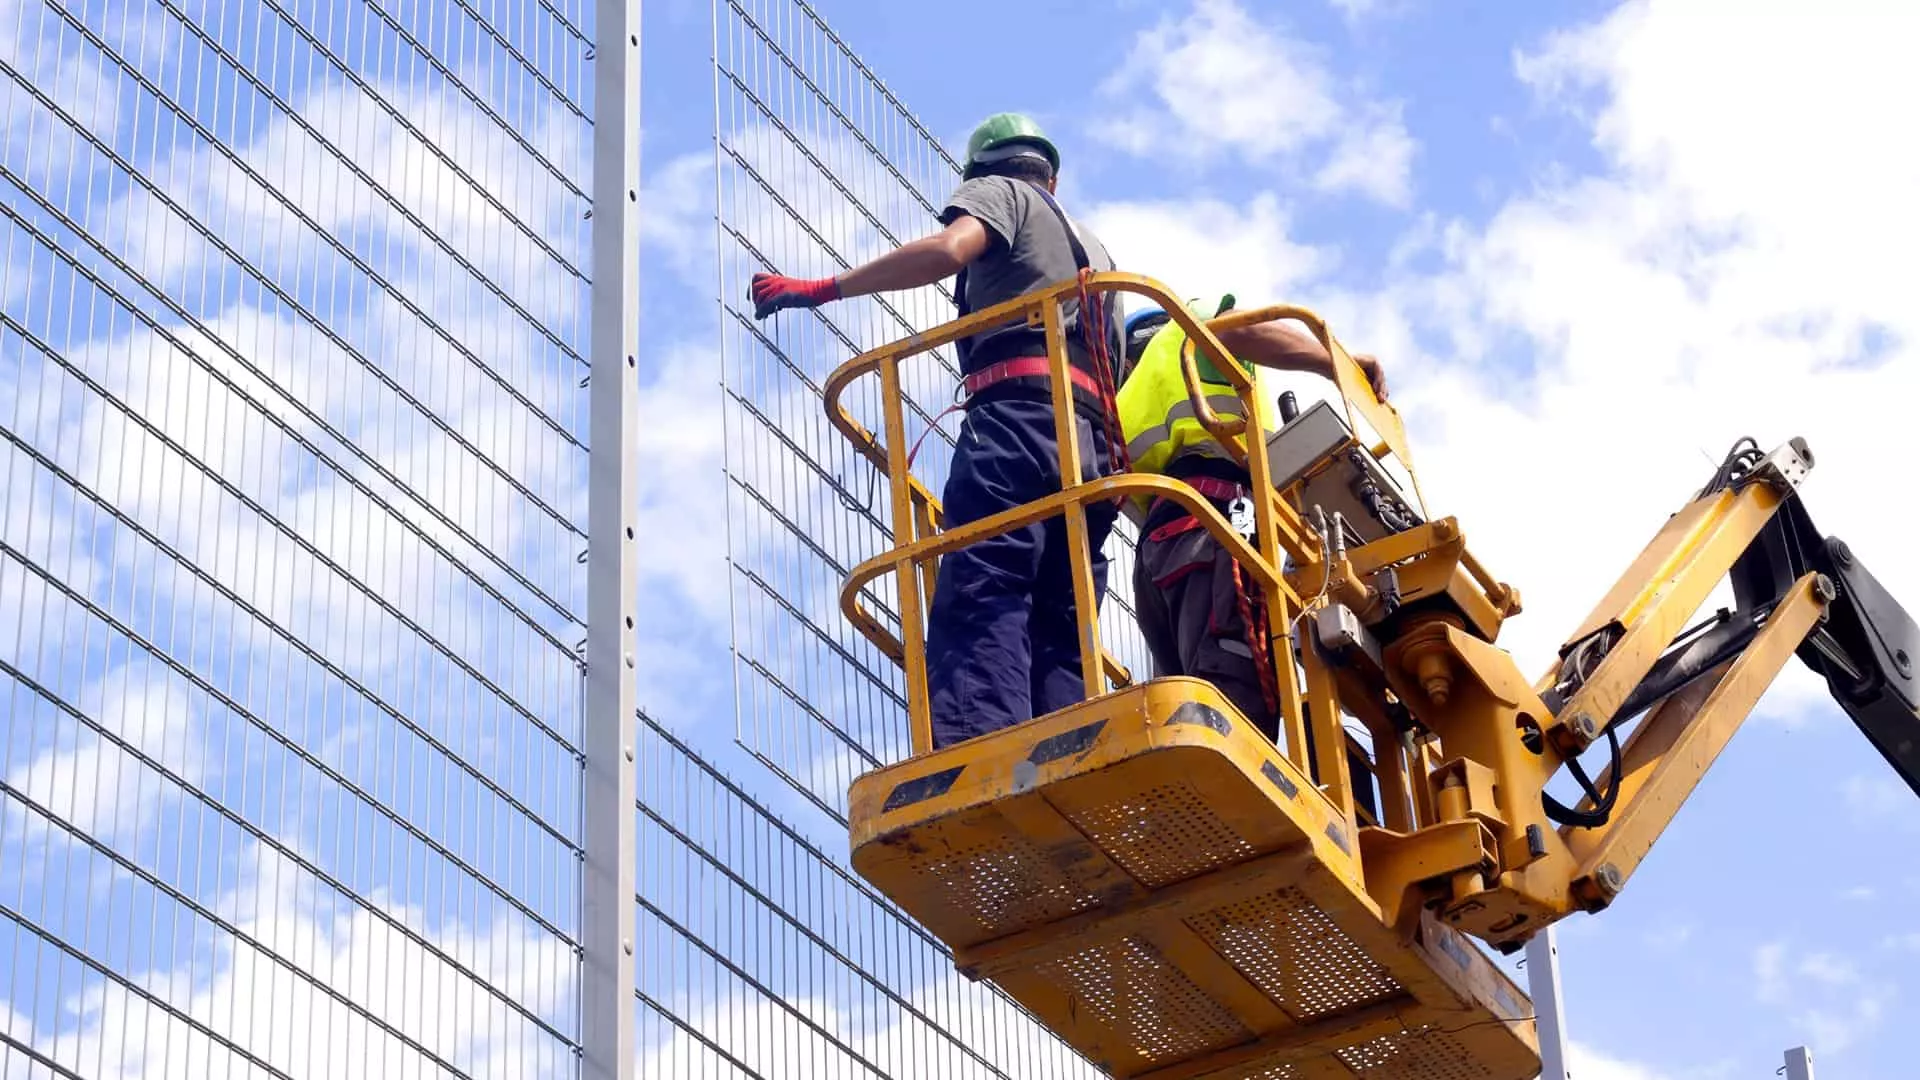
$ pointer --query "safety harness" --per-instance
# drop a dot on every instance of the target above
(1094, 322)
(1252, 603)
(1027, 367)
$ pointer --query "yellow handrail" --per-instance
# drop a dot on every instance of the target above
(1105, 488)
(1225, 430)
(916, 515)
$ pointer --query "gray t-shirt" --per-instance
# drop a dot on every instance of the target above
(1029, 250)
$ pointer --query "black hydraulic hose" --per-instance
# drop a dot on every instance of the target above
(1739, 461)
(1602, 804)
(1680, 667)
(1674, 671)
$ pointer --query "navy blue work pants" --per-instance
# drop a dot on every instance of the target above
(1003, 642)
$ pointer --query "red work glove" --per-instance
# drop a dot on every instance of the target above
(772, 292)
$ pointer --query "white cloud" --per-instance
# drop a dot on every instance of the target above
(1669, 936)
(682, 528)
(1587, 1062)
(1215, 80)
(1825, 996)
(1881, 803)
(94, 785)
(1207, 247)
(1374, 156)
(472, 187)
(676, 208)
(1768, 964)
(34, 142)
(35, 520)
(1357, 11)
(683, 507)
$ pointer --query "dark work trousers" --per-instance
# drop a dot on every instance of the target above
(1189, 613)
(1003, 644)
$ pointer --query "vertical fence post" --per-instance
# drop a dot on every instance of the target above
(1550, 1018)
(607, 739)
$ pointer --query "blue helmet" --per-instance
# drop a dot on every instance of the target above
(1152, 311)
(1140, 328)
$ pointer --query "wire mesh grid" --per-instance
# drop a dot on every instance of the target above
(772, 959)
(821, 167)
(292, 499)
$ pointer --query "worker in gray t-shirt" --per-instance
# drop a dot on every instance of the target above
(1003, 639)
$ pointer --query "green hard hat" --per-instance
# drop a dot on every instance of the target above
(1005, 135)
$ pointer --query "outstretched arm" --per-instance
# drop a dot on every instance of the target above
(922, 262)
(909, 266)
(1280, 344)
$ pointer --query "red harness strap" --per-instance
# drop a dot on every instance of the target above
(994, 374)
(1174, 528)
(1027, 367)
(1093, 313)
(1252, 606)
(1212, 488)
(1215, 489)
(1100, 388)
(1253, 614)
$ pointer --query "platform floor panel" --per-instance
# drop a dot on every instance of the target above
(1172, 897)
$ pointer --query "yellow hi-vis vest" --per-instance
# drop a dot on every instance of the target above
(1156, 415)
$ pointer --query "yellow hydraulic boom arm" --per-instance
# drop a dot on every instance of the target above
(1178, 897)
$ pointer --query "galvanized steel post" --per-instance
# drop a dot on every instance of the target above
(1543, 985)
(609, 797)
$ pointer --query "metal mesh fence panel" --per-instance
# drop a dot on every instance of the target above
(770, 958)
(820, 168)
(293, 448)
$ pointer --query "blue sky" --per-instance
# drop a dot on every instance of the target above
(1590, 262)
(1589, 258)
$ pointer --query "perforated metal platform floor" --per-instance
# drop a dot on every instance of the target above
(1168, 894)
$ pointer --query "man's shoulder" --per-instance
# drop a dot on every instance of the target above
(1096, 247)
(988, 189)
(990, 200)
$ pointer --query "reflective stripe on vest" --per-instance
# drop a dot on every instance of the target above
(1141, 445)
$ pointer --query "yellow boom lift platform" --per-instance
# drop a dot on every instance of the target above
(1177, 897)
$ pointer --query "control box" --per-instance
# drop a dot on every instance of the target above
(1318, 450)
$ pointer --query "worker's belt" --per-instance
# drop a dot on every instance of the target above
(1174, 528)
(1212, 487)
(1027, 367)
(1215, 488)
